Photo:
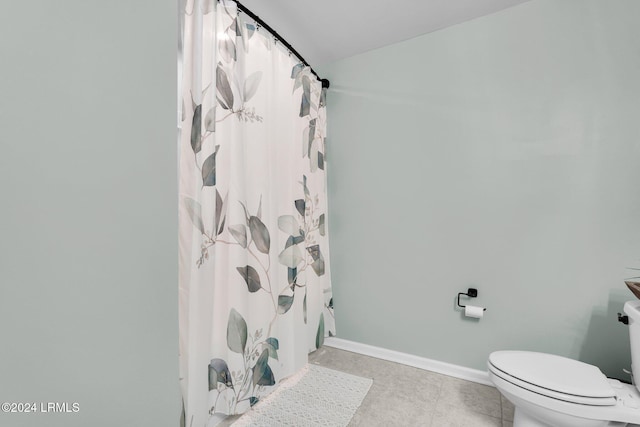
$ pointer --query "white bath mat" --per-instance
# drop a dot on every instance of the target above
(315, 397)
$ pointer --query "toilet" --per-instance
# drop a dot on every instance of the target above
(554, 391)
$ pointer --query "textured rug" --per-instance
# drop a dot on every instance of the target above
(316, 396)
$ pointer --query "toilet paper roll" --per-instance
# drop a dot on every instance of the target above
(474, 311)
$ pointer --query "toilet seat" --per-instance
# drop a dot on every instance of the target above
(554, 376)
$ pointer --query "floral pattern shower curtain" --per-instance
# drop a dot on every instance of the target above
(255, 290)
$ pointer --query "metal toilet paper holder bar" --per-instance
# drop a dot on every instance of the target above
(471, 293)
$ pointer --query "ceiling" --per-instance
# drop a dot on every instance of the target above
(324, 31)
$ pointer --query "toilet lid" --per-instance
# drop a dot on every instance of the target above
(555, 373)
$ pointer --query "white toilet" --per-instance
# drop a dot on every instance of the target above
(553, 391)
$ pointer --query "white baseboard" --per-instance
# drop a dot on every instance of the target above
(475, 375)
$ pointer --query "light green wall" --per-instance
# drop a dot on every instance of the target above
(501, 153)
(88, 252)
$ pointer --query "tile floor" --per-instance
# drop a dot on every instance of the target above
(405, 396)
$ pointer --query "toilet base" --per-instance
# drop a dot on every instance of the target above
(554, 419)
(533, 410)
(522, 419)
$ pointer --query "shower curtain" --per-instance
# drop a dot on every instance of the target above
(254, 290)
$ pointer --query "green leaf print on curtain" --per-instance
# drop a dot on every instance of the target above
(254, 285)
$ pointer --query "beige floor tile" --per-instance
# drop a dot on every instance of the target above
(393, 411)
(388, 378)
(403, 396)
(399, 396)
(475, 397)
(448, 415)
(507, 409)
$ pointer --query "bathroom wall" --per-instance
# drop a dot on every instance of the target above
(88, 252)
(502, 154)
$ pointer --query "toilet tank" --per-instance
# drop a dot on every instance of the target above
(632, 309)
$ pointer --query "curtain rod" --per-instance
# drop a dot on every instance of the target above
(261, 23)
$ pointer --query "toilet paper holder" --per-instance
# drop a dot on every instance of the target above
(471, 293)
